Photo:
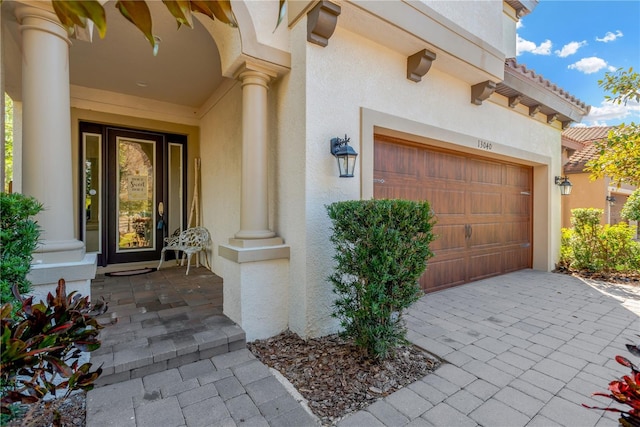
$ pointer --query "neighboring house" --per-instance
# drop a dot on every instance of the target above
(425, 91)
(578, 148)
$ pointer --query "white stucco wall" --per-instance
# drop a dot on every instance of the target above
(473, 16)
(221, 154)
(349, 75)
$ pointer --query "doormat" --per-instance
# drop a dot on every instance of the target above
(131, 272)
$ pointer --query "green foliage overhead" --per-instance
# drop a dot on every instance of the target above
(381, 250)
(620, 152)
(80, 12)
(19, 235)
(631, 209)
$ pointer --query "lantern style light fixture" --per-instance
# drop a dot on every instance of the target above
(346, 156)
(611, 199)
(565, 185)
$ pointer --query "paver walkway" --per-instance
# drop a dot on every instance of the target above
(524, 349)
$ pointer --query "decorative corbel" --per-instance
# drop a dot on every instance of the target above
(551, 117)
(514, 100)
(418, 64)
(566, 123)
(321, 22)
(482, 91)
(534, 109)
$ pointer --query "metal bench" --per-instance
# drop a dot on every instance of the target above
(190, 241)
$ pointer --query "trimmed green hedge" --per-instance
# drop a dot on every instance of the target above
(19, 235)
(381, 250)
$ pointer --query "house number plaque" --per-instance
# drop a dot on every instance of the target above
(485, 145)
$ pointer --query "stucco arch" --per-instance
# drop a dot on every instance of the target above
(242, 44)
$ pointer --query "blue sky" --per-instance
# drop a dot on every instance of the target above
(574, 43)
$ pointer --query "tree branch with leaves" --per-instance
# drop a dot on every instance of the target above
(81, 12)
(620, 153)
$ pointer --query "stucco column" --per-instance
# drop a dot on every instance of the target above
(46, 133)
(254, 208)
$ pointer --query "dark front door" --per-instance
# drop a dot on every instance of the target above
(135, 199)
(133, 188)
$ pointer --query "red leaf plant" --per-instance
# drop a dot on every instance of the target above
(625, 391)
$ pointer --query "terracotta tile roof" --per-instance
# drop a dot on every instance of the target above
(540, 80)
(580, 158)
(585, 136)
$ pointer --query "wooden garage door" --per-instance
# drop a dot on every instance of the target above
(483, 208)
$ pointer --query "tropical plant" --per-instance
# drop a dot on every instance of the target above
(381, 250)
(19, 235)
(80, 12)
(42, 345)
(625, 391)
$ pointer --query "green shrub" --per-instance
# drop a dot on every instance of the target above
(593, 247)
(381, 250)
(19, 236)
(631, 209)
(43, 342)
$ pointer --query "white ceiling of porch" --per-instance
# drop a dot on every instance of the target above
(186, 70)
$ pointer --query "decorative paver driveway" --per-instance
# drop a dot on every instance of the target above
(523, 349)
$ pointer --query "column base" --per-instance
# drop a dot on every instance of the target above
(77, 276)
(256, 296)
(59, 251)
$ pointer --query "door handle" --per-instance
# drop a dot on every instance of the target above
(470, 230)
(466, 231)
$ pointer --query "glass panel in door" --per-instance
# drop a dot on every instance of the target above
(92, 190)
(136, 195)
(136, 190)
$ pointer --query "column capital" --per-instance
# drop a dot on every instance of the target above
(255, 70)
(39, 16)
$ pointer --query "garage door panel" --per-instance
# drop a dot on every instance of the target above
(516, 232)
(443, 274)
(450, 237)
(395, 192)
(490, 199)
(445, 202)
(518, 205)
(517, 258)
(484, 172)
(483, 235)
(485, 265)
(482, 203)
(517, 177)
(396, 159)
(443, 166)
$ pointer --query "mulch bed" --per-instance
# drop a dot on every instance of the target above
(333, 375)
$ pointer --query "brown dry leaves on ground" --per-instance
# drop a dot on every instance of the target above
(333, 375)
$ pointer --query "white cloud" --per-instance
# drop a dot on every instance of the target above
(609, 37)
(589, 65)
(570, 48)
(610, 112)
(523, 46)
(519, 24)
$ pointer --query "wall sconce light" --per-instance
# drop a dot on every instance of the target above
(565, 185)
(345, 155)
(611, 199)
